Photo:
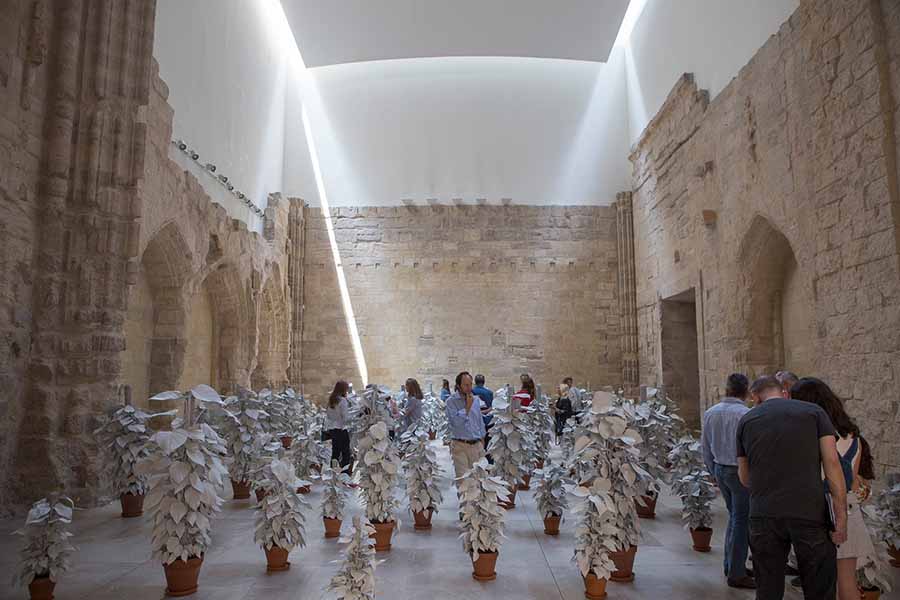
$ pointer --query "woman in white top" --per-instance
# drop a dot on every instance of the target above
(336, 426)
(854, 449)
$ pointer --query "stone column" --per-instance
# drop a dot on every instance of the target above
(627, 292)
(296, 247)
(89, 203)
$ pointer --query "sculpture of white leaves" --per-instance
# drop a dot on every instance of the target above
(598, 533)
(541, 426)
(691, 483)
(422, 473)
(659, 427)
(245, 433)
(886, 512)
(511, 444)
(47, 549)
(482, 517)
(356, 578)
(185, 474)
(872, 574)
(335, 491)
(550, 496)
(122, 438)
(280, 519)
(379, 467)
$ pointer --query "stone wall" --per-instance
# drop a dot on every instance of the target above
(490, 289)
(777, 203)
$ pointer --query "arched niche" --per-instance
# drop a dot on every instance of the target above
(273, 349)
(231, 311)
(201, 349)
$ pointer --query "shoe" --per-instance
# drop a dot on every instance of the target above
(746, 582)
(797, 582)
(749, 572)
(791, 571)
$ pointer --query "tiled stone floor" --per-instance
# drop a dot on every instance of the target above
(114, 562)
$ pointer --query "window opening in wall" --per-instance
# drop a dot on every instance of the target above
(680, 354)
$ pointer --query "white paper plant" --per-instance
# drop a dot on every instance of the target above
(541, 427)
(356, 578)
(122, 437)
(306, 453)
(245, 433)
(422, 474)
(47, 549)
(886, 513)
(379, 467)
(335, 491)
(871, 575)
(598, 533)
(280, 519)
(551, 497)
(691, 483)
(186, 472)
(480, 492)
(658, 428)
(511, 444)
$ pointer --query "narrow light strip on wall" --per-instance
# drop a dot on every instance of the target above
(336, 254)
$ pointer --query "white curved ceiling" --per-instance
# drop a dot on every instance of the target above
(343, 31)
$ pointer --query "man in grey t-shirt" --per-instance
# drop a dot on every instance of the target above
(782, 447)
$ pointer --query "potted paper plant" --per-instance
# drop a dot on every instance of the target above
(379, 470)
(122, 438)
(480, 496)
(510, 447)
(886, 513)
(356, 578)
(871, 577)
(433, 417)
(541, 426)
(596, 538)
(422, 476)
(335, 492)
(45, 555)
(305, 453)
(245, 434)
(550, 497)
(280, 522)
(691, 483)
(185, 473)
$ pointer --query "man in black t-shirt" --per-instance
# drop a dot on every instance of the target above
(782, 446)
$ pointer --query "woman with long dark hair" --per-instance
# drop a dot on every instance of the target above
(412, 413)
(336, 425)
(853, 448)
(526, 395)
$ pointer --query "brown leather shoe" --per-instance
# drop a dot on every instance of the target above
(746, 582)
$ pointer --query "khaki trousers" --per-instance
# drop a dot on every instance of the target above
(465, 455)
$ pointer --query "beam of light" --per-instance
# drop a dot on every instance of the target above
(274, 12)
(632, 14)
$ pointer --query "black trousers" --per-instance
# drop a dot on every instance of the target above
(340, 447)
(771, 540)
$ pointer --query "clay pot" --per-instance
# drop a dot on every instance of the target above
(624, 561)
(332, 527)
(483, 569)
(551, 524)
(41, 588)
(132, 505)
(594, 587)
(423, 519)
(241, 489)
(539, 464)
(432, 435)
(526, 483)
(874, 594)
(702, 537)
(895, 556)
(286, 441)
(648, 511)
(181, 576)
(260, 494)
(382, 535)
(303, 489)
(277, 559)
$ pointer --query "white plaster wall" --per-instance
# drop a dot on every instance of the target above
(711, 38)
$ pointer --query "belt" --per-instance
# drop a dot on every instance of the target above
(470, 442)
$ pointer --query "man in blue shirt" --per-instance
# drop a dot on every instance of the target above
(487, 403)
(719, 441)
(466, 426)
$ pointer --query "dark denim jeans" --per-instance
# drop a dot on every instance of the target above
(771, 540)
(737, 533)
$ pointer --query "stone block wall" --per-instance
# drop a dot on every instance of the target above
(777, 202)
(439, 289)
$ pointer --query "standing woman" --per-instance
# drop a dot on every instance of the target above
(336, 425)
(527, 393)
(854, 449)
(445, 390)
(412, 414)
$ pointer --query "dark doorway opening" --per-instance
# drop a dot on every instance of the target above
(680, 359)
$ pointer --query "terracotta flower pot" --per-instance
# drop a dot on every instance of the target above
(286, 441)
(432, 435)
(648, 511)
(241, 489)
(539, 464)
(303, 489)
(551, 524)
(277, 559)
(181, 576)
(41, 588)
(332, 527)
(484, 568)
(423, 519)
(382, 535)
(895, 556)
(132, 505)
(873, 594)
(526, 483)
(624, 561)
(594, 587)
(260, 494)
(702, 537)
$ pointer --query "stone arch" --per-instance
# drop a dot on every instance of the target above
(155, 321)
(776, 303)
(273, 349)
(230, 298)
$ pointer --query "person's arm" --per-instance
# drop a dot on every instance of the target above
(836, 486)
(345, 414)
(456, 416)
(708, 458)
(744, 471)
